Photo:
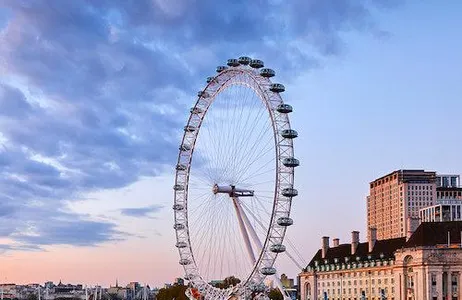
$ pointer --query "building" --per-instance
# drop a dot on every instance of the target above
(448, 187)
(448, 181)
(287, 282)
(443, 211)
(448, 204)
(395, 199)
(425, 266)
(8, 291)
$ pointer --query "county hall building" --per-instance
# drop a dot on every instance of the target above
(426, 265)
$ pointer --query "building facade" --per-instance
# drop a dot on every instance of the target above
(394, 201)
(447, 181)
(448, 206)
(443, 211)
(426, 266)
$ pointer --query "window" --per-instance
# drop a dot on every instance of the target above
(454, 279)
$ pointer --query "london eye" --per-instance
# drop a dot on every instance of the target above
(234, 182)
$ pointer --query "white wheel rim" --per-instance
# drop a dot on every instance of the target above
(284, 178)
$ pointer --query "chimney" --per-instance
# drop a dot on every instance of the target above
(336, 242)
(325, 246)
(354, 241)
(412, 224)
(372, 238)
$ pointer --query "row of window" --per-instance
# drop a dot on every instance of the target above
(419, 193)
(449, 194)
(356, 282)
(356, 274)
(375, 291)
(421, 187)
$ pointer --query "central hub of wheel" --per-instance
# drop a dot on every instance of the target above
(232, 191)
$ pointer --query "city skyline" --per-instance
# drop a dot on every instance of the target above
(86, 185)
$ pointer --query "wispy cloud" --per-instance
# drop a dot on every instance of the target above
(141, 211)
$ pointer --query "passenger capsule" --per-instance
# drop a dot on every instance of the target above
(284, 108)
(181, 245)
(178, 226)
(290, 162)
(268, 271)
(178, 187)
(189, 276)
(244, 60)
(289, 133)
(256, 63)
(277, 248)
(267, 72)
(178, 207)
(277, 87)
(232, 62)
(195, 110)
(202, 94)
(210, 79)
(221, 68)
(289, 192)
(184, 261)
(189, 128)
(185, 147)
(285, 221)
(180, 167)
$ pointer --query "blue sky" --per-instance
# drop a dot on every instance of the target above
(93, 96)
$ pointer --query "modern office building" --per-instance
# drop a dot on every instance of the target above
(395, 200)
(448, 187)
(425, 266)
(446, 181)
(448, 206)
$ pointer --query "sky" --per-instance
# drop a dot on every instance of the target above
(94, 95)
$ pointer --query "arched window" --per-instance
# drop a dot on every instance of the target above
(307, 291)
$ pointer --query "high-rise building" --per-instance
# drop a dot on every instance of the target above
(395, 199)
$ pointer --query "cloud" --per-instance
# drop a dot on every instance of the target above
(5, 248)
(93, 94)
(70, 232)
(141, 211)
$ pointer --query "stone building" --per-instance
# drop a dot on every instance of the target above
(424, 266)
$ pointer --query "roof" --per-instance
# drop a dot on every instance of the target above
(436, 233)
(427, 234)
(409, 175)
(382, 249)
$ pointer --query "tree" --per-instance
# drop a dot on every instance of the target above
(227, 282)
(174, 292)
(275, 294)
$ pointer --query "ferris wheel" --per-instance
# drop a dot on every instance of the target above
(234, 182)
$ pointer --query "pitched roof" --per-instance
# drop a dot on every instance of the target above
(382, 249)
(436, 233)
(427, 234)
